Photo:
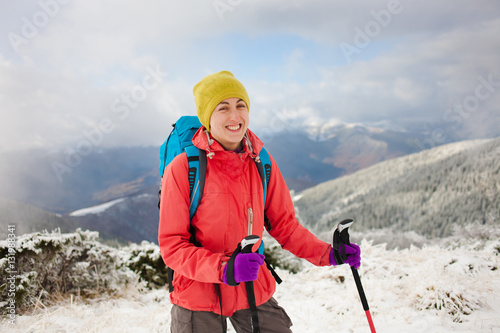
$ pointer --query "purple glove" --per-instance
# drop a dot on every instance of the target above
(353, 256)
(246, 267)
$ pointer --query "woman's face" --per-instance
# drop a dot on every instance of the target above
(229, 122)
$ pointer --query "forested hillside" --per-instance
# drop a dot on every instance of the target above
(427, 192)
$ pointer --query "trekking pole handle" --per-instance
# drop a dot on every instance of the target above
(341, 238)
(248, 242)
(343, 229)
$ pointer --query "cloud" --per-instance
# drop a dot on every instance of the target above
(411, 59)
(423, 76)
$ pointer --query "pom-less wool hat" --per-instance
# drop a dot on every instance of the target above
(212, 90)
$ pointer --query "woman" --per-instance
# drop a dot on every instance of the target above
(232, 207)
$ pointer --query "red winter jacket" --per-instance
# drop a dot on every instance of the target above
(233, 187)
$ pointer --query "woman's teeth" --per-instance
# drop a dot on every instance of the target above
(234, 128)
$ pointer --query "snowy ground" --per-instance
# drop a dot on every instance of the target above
(433, 289)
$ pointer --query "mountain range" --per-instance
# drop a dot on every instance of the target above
(64, 181)
(427, 192)
(114, 191)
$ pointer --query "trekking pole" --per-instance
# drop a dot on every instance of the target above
(340, 239)
(246, 247)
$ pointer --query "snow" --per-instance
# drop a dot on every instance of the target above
(328, 129)
(96, 209)
(451, 287)
(103, 207)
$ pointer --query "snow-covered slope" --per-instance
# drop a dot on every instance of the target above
(449, 287)
(96, 209)
(132, 218)
(426, 192)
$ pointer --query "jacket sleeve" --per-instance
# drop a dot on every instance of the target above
(286, 229)
(178, 253)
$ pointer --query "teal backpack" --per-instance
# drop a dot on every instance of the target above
(179, 141)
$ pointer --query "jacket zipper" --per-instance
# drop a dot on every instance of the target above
(250, 221)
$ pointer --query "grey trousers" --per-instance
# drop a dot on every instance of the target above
(272, 319)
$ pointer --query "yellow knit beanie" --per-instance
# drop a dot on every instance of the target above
(212, 90)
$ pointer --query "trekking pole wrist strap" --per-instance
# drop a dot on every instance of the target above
(337, 256)
(230, 267)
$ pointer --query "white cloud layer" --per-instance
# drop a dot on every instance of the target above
(70, 68)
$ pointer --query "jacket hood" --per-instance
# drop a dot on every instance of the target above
(204, 140)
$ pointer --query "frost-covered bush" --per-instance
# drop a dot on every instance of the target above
(53, 263)
(449, 281)
(277, 257)
(145, 260)
(476, 231)
(454, 284)
(456, 300)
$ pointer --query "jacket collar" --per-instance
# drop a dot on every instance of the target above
(204, 140)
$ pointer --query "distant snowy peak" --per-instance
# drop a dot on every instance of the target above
(317, 129)
(321, 131)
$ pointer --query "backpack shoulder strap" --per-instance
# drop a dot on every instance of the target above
(264, 167)
(202, 173)
(197, 170)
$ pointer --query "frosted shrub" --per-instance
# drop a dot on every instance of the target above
(453, 285)
(54, 263)
(477, 230)
(455, 300)
(277, 257)
(145, 260)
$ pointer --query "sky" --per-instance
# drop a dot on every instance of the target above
(78, 75)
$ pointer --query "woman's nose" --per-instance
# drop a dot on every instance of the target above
(233, 114)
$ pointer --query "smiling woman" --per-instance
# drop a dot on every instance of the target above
(217, 274)
(229, 122)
